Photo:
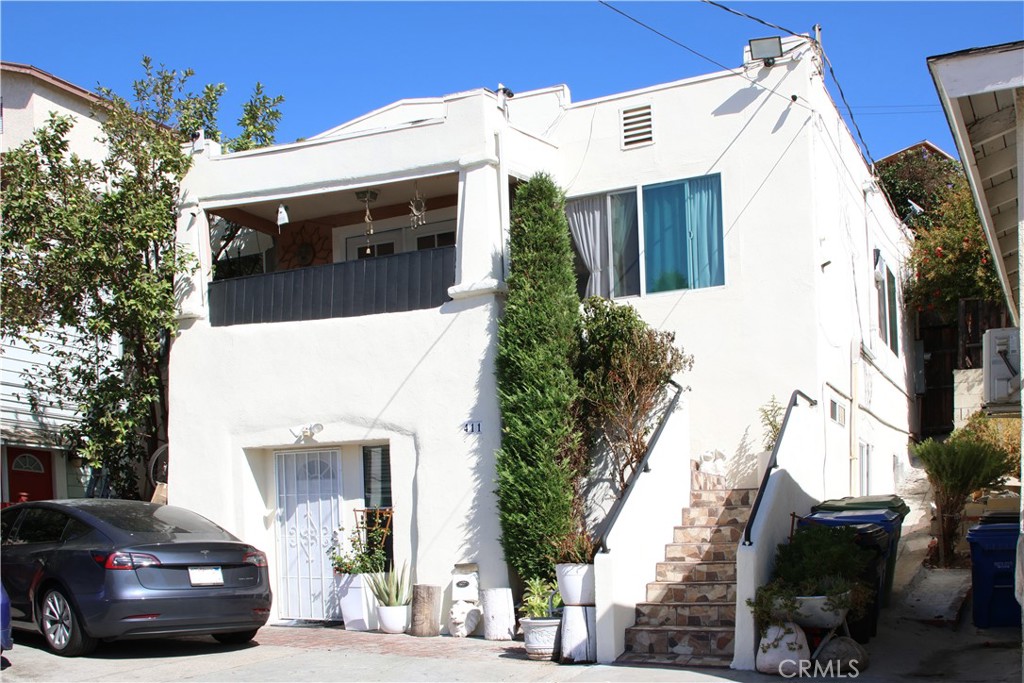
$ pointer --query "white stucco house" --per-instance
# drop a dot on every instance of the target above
(356, 369)
(33, 464)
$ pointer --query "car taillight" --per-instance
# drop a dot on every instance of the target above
(130, 561)
(256, 557)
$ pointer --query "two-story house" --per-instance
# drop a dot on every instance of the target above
(357, 369)
(34, 464)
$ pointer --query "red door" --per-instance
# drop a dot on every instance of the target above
(29, 474)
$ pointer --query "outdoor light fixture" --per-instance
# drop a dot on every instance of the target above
(306, 431)
(766, 49)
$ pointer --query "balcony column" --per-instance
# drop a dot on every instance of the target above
(193, 238)
(478, 266)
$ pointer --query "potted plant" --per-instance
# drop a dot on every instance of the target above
(817, 581)
(365, 555)
(574, 568)
(393, 596)
(540, 622)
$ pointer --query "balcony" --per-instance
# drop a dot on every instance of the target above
(408, 281)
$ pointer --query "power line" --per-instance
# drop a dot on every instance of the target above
(839, 87)
(752, 18)
(703, 56)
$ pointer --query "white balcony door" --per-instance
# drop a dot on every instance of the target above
(309, 498)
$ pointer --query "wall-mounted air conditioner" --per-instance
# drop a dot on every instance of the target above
(1001, 358)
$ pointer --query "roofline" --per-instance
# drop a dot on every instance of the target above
(1002, 47)
(927, 143)
(55, 81)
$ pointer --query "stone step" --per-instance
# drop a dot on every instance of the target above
(686, 614)
(682, 661)
(682, 572)
(693, 591)
(722, 497)
(716, 516)
(704, 481)
(681, 640)
(700, 552)
(707, 534)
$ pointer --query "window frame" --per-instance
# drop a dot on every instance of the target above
(637, 191)
(888, 314)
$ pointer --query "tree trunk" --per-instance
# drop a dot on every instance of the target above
(426, 609)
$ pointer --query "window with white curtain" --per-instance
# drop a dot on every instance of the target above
(676, 226)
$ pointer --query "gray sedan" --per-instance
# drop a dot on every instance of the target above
(80, 571)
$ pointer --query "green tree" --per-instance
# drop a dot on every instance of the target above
(536, 384)
(950, 259)
(89, 255)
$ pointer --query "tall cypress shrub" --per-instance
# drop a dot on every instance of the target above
(536, 383)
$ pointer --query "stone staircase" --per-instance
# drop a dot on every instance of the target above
(689, 618)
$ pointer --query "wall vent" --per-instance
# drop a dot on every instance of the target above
(637, 127)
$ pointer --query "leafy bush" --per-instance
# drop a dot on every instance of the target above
(623, 368)
(1001, 432)
(956, 467)
(818, 560)
(366, 555)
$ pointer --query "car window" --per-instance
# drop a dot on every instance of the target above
(74, 529)
(7, 519)
(40, 525)
(134, 517)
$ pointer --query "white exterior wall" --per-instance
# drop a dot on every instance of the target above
(752, 337)
(409, 380)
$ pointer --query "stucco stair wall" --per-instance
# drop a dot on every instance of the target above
(689, 618)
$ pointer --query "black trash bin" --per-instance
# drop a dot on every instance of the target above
(993, 560)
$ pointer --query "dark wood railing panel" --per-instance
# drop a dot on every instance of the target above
(409, 281)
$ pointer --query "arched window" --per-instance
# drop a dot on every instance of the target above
(27, 463)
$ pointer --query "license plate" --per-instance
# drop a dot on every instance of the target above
(205, 576)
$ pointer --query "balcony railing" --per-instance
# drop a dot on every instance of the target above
(409, 281)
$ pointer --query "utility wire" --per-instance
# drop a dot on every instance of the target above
(842, 95)
(689, 49)
(747, 16)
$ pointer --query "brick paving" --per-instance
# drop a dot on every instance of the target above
(326, 638)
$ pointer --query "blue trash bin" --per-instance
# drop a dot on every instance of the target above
(993, 559)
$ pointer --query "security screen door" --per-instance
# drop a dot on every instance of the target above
(308, 507)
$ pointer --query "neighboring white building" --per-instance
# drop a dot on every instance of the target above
(733, 209)
(34, 465)
(982, 93)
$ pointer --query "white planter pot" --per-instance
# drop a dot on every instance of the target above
(358, 606)
(541, 637)
(813, 611)
(394, 619)
(576, 583)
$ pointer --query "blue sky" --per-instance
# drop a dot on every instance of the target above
(333, 61)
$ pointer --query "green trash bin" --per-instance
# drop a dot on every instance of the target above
(890, 502)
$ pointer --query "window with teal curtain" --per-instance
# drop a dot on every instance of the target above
(625, 245)
(683, 234)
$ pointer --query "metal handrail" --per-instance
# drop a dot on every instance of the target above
(772, 462)
(620, 502)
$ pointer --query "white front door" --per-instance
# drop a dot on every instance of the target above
(309, 513)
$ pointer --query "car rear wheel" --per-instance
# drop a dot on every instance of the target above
(235, 638)
(62, 628)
